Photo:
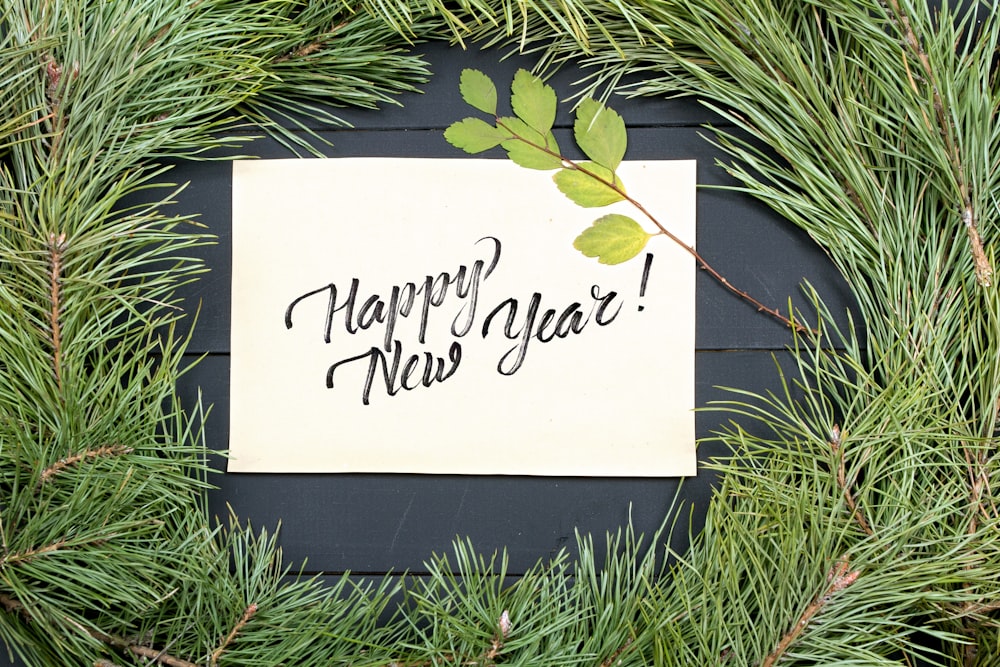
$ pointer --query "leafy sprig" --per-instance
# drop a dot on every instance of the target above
(600, 133)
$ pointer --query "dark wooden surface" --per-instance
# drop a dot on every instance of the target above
(374, 523)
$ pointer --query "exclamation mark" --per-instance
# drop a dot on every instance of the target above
(645, 277)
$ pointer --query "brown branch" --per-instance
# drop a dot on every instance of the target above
(159, 657)
(845, 486)
(10, 604)
(613, 658)
(57, 246)
(147, 652)
(839, 577)
(26, 556)
(311, 47)
(983, 268)
(63, 463)
(702, 264)
(248, 613)
(975, 463)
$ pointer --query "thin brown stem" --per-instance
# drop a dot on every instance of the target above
(57, 246)
(842, 481)
(983, 267)
(702, 264)
(248, 613)
(30, 554)
(839, 577)
(311, 47)
(613, 658)
(147, 652)
(64, 463)
(150, 654)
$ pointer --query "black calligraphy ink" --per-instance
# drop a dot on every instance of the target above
(645, 278)
(572, 319)
(402, 299)
(401, 377)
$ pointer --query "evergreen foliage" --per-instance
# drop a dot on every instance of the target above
(862, 527)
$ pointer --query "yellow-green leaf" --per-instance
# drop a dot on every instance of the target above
(586, 190)
(533, 101)
(600, 133)
(478, 91)
(612, 239)
(527, 147)
(473, 135)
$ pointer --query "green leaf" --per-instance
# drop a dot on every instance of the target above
(473, 135)
(525, 150)
(586, 190)
(612, 239)
(533, 101)
(600, 133)
(478, 91)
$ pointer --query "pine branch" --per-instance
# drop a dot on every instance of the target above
(838, 578)
(69, 461)
(248, 613)
(844, 484)
(57, 246)
(946, 129)
(147, 653)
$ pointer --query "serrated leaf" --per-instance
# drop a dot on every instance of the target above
(478, 91)
(612, 239)
(525, 150)
(600, 133)
(533, 101)
(584, 189)
(473, 135)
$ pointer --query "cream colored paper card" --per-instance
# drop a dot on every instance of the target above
(432, 316)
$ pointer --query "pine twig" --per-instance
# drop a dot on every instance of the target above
(613, 658)
(839, 577)
(63, 463)
(845, 487)
(312, 47)
(945, 127)
(30, 554)
(14, 606)
(57, 246)
(147, 652)
(248, 613)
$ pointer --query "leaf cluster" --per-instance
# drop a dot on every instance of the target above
(529, 142)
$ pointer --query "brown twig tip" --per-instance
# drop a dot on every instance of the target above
(505, 625)
(613, 658)
(63, 463)
(842, 481)
(838, 577)
(311, 47)
(248, 613)
(984, 269)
